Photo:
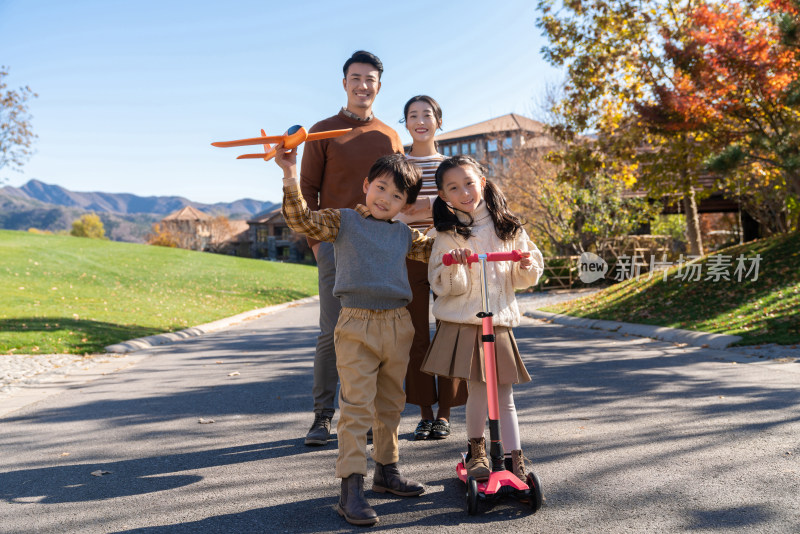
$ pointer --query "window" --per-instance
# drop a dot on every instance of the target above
(262, 234)
(454, 150)
(508, 143)
(473, 147)
(446, 150)
(491, 145)
(464, 148)
(286, 233)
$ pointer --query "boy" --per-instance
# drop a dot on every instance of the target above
(374, 333)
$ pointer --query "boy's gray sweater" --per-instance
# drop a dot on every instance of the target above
(371, 262)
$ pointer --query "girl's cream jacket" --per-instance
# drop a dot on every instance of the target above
(458, 287)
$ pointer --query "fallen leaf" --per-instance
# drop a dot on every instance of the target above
(100, 473)
(235, 373)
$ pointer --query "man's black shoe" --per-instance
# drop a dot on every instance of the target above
(320, 431)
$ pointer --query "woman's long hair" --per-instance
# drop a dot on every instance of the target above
(506, 224)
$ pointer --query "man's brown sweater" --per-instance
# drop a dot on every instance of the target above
(332, 171)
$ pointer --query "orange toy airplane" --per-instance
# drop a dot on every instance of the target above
(294, 136)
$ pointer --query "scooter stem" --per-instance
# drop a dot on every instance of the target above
(495, 445)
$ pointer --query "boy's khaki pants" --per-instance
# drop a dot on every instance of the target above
(372, 348)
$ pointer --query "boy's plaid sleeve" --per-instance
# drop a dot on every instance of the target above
(421, 246)
(322, 225)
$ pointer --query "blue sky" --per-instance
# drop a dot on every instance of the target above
(131, 93)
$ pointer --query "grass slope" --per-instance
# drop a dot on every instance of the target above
(76, 295)
(766, 310)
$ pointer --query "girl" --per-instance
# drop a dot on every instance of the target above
(471, 213)
(423, 116)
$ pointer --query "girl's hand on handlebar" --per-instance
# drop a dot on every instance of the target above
(526, 262)
(460, 255)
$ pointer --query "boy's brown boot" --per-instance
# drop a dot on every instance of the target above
(477, 462)
(518, 464)
(352, 504)
(388, 479)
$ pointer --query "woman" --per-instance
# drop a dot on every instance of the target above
(423, 116)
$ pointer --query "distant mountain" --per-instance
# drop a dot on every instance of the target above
(126, 217)
(127, 204)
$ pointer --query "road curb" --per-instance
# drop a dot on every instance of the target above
(141, 343)
(675, 335)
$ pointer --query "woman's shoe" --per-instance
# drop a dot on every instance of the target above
(440, 429)
(423, 429)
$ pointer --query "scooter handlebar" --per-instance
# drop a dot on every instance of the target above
(514, 255)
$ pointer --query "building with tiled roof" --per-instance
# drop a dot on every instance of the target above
(187, 213)
(493, 141)
(271, 238)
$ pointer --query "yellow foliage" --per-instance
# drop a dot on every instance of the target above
(89, 225)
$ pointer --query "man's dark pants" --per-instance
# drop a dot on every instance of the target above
(326, 378)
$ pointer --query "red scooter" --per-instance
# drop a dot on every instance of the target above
(501, 481)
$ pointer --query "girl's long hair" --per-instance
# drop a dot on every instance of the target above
(506, 224)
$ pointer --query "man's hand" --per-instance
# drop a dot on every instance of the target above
(286, 160)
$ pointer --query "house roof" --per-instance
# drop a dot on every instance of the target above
(187, 213)
(505, 123)
(267, 216)
(239, 231)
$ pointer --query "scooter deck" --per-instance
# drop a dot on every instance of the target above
(497, 479)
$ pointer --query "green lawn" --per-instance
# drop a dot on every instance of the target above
(766, 310)
(77, 295)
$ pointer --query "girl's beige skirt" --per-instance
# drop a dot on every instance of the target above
(456, 351)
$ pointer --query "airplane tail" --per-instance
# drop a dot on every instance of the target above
(269, 151)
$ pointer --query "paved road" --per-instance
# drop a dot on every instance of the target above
(628, 435)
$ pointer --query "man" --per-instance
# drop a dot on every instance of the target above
(332, 173)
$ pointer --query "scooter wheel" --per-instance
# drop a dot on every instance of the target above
(536, 497)
(472, 496)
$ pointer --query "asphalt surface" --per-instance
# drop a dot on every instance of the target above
(206, 435)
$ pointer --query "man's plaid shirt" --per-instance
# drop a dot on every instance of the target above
(323, 225)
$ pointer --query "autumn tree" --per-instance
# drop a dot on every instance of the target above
(569, 217)
(735, 79)
(16, 134)
(89, 225)
(161, 236)
(221, 232)
(612, 51)
(567, 211)
(678, 90)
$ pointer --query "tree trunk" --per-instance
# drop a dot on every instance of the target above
(693, 236)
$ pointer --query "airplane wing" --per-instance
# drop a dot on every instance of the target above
(251, 141)
(326, 135)
(266, 157)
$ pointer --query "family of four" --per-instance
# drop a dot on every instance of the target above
(379, 222)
